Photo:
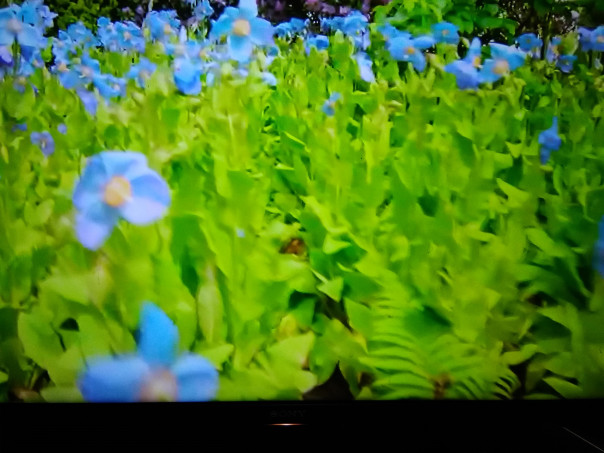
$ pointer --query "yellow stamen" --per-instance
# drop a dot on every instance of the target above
(118, 191)
(410, 50)
(501, 67)
(600, 39)
(241, 27)
(476, 62)
(167, 29)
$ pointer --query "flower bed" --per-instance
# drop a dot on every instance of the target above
(242, 210)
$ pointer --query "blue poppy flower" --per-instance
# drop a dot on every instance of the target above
(504, 59)
(474, 55)
(12, 29)
(597, 39)
(243, 30)
(531, 44)
(599, 249)
(365, 67)
(162, 25)
(389, 32)
(187, 76)
(141, 71)
(466, 74)
(62, 128)
(319, 42)
(203, 10)
(110, 86)
(45, 141)
(117, 185)
(402, 48)
(354, 23)
(585, 39)
(549, 141)
(154, 373)
(329, 105)
(445, 32)
(565, 63)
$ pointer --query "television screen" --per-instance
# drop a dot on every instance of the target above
(230, 201)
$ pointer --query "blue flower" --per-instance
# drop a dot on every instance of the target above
(162, 24)
(365, 63)
(505, 59)
(599, 249)
(531, 44)
(585, 39)
(110, 86)
(243, 30)
(12, 29)
(402, 48)
(88, 99)
(329, 105)
(269, 78)
(187, 76)
(597, 39)
(466, 74)
(154, 373)
(389, 32)
(354, 23)
(116, 185)
(45, 141)
(445, 32)
(203, 10)
(319, 42)
(62, 128)
(549, 141)
(474, 57)
(141, 71)
(565, 62)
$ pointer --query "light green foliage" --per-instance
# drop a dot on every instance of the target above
(413, 239)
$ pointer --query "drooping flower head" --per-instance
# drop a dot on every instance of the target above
(597, 39)
(114, 185)
(14, 28)
(319, 42)
(243, 29)
(549, 141)
(187, 75)
(141, 71)
(553, 50)
(154, 373)
(565, 62)
(465, 73)
(585, 39)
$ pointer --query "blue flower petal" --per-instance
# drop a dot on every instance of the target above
(261, 32)
(122, 162)
(94, 225)
(114, 380)
(197, 378)
(222, 26)
(240, 47)
(158, 340)
(150, 199)
(248, 9)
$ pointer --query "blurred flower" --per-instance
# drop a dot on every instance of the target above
(389, 32)
(365, 67)
(504, 59)
(187, 76)
(402, 48)
(243, 30)
(62, 128)
(88, 99)
(585, 39)
(319, 42)
(141, 71)
(12, 28)
(117, 184)
(549, 141)
(597, 39)
(20, 127)
(445, 32)
(45, 141)
(565, 63)
(154, 373)
(110, 86)
(329, 105)
(531, 44)
(466, 74)
(599, 249)
(162, 25)
(474, 55)
(354, 23)
(203, 10)
(269, 78)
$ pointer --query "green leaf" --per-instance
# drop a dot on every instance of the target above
(545, 243)
(333, 288)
